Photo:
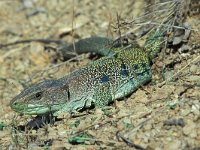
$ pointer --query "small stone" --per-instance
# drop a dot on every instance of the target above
(193, 78)
(169, 139)
(176, 122)
(80, 21)
(184, 49)
(193, 68)
(195, 109)
(185, 112)
(164, 92)
(189, 129)
(158, 148)
(145, 139)
(168, 50)
(174, 145)
(96, 126)
(179, 90)
(33, 146)
(148, 126)
(127, 122)
(28, 4)
(33, 132)
(141, 97)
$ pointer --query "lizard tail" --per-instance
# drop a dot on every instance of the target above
(99, 45)
(96, 44)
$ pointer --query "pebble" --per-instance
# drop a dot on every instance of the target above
(141, 96)
(80, 21)
(193, 68)
(174, 145)
(164, 92)
(158, 148)
(174, 122)
(195, 109)
(193, 78)
(184, 49)
(96, 126)
(148, 126)
(189, 129)
(179, 90)
(33, 146)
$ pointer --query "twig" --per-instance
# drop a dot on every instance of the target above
(32, 40)
(129, 143)
(165, 25)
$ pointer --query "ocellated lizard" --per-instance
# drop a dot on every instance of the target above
(119, 73)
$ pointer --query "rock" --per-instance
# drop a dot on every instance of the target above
(175, 122)
(179, 90)
(33, 146)
(148, 126)
(195, 109)
(79, 22)
(174, 145)
(184, 49)
(190, 129)
(193, 78)
(185, 112)
(140, 96)
(193, 68)
(163, 92)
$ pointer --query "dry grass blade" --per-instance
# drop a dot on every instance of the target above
(157, 14)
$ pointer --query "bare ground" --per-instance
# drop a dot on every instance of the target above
(154, 117)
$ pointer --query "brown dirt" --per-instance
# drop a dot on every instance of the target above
(154, 117)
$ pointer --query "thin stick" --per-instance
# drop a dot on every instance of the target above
(32, 40)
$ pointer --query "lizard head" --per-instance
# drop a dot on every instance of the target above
(41, 98)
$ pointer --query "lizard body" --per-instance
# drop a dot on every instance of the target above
(100, 82)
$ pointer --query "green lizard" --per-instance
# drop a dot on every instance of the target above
(119, 73)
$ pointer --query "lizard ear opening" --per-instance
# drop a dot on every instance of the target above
(65, 88)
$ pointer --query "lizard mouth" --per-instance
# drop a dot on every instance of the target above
(35, 109)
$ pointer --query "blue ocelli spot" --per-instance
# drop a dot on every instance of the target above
(124, 70)
(135, 66)
(105, 78)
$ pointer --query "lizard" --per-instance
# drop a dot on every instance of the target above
(115, 76)
(121, 71)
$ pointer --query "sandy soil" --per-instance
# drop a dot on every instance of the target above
(153, 117)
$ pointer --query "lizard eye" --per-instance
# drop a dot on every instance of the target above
(38, 95)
